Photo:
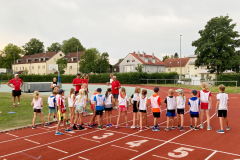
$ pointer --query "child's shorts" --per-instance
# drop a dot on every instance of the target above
(99, 112)
(52, 110)
(59, 116)
(37, 110)
(143, 111)
(108, 109)
(171, 114)
(194, 115)
(92, 106)
(79, 109)
(122, 108)
(135, 106)
(222, 113)
(156, 114)
(180, 111)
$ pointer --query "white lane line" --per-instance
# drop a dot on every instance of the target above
(211, 155)
(31, 141)
(57, 149)
(11, 134)
(166, 142)
(83, 158)
(125, 148)
(90, 140)
(161, 157)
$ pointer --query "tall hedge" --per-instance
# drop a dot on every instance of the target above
(229, 77)
(124, 78)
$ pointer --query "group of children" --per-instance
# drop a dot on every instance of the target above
(198, 105)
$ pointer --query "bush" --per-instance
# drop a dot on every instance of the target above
(228, 77)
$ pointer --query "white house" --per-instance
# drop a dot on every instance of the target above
(150, 63)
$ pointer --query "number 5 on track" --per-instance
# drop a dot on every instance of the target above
(181, 150)
(136, 143)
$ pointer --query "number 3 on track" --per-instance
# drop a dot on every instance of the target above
(181, 150)
(105, 135)
(136, 143)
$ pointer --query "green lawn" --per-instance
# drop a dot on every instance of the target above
(24, 113)
(214, 89)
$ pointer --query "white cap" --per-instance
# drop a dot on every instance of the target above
(16, 75)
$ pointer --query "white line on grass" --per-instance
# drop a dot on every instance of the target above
(11, 134)
(31, 141)
(57, 149)
(125, 148)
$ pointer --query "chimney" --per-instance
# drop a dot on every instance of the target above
(134, 52)
(152, 55)
(138, 54)
(153, 58)
(144, 54)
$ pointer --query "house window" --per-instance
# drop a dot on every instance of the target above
(195, 75)
(60, 54)
(54, 59)
(133, 60)
(195, 68)
(32, 67)
(207, 67)
(188, 69)
(115, 69)
(169, 70)
(70, 67)
(38, 67)
(175, 69)
(43, 67)
(128, 61)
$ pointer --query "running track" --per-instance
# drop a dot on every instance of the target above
(126, 143)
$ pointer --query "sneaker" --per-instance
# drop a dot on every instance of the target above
(67, 123)
(116, 127)
(140, 129)
(201, 126)
(220, 131)
(34, 127)
(95, 124)
(54, 119)
(227, 128)
(147, 126)
(138, 126)
(87, 101)
(91, 126)
(107, 126)
(47, 125)
(74, 127)
(182, 129)
(155, 129)
(111, 125)
(58, 133)
(133, 127)
(166, 129)
(68, 130)
(99, 127)
(18, 105)
(127, 126)
(178, 126)
(209, 128)
(81, 128)
(191, 127)
(196, 128)
(173, 128)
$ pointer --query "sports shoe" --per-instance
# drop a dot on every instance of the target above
(166, 129)
(147, 126)
(127, 125)
(34, 127)
(74, 127)
(173, 128)
(220, 131)
(68, 130)
(182, 129)
(81, 128)
(18, 105)
(58, 133)
(196, 128)
(111, 125)
(201, 126)
(47, 125)
(95, 124)
(99, 127)
(227, 128)
(155, 129)
(91, 126)
(138, 126)
(191, 127)
(209, 128)
(54, 119)
(133, 127)
(67, 123)
(116, 127)
(140, 129)
(107, 126)
(178, 126)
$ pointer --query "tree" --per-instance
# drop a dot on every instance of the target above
(26, 71)
(88, 61)
(54, 47)
(62, 64)
(165, 57)
(139, 68)
(103, 63)
(71, 45)
(176, 55)
(33, 46)
(216, 46)
(120, 60)
(12, 52)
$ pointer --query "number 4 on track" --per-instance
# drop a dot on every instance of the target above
(136, 143)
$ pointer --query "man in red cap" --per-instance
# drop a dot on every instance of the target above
(17, 83)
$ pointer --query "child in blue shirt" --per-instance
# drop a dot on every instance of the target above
(99, 102)
(194, 104)
(52, 106)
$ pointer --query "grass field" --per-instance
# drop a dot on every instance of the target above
(24, 113)
(214, 89)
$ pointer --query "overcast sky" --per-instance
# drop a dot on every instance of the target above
(118, 27)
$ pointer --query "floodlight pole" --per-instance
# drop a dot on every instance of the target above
(180, 60)
(77, 59)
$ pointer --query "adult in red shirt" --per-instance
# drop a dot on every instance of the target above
(85, 79)
(16, 85)
(77, 82)
(115, 89)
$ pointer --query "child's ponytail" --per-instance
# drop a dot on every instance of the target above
(204, 86)
(36, 95)
(108, 90)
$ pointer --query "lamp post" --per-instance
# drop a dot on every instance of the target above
(170, 66)
(77, 59)
(180, 60)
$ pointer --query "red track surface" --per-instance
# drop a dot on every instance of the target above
(110, 143)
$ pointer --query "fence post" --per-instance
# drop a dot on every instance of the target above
(193, 83)
(147, 81)
(165, 82)
(156, 81)
(236, 86)
(174, 82)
